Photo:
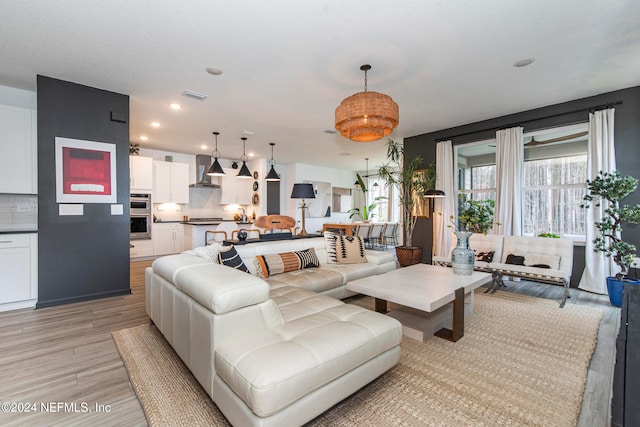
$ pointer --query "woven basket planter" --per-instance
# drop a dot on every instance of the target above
(408, 255)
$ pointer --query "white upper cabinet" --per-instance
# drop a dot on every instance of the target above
(170, 182)
(140, 174)
(18, 148)
(234, 190)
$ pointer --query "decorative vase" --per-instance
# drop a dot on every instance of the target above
(462, 257)
(615, 289)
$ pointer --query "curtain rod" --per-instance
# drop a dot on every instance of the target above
(581, 110)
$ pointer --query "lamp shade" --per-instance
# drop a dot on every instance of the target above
(215, 169)
(434, 194)
(303, 191)
(244, 171)
(272, 175)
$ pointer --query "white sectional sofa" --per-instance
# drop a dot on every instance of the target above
(268, 353)
(546, 260)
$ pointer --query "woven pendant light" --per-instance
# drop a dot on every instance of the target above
(366, 116)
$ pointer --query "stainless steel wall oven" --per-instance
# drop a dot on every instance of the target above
(140, 216)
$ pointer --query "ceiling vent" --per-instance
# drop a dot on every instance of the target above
(196, 95)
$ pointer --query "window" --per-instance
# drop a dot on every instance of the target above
(555, 175)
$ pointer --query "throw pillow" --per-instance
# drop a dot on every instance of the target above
(229, 256)
(209, 252)
(543, 261)
(350, 250)
(271, 264)
(330, 243)
(514, 259)
(485, 256)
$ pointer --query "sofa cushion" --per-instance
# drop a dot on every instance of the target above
(220, 289)
(350, 250)
(209, 252)
(330, 241)
(271, 264)
(313, 279)
(302, 355)
(229, 257)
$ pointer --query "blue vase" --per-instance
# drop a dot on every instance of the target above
(615, 289)
(462, 257)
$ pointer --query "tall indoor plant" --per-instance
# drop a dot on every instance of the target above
(613, 188)
(412, 183)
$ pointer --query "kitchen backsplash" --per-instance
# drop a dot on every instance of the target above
(203, 203)
(18, 212)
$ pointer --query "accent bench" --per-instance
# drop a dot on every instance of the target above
(539, 259)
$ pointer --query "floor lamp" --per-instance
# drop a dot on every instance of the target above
(303, 191)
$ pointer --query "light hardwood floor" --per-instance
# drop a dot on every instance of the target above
(65, 354)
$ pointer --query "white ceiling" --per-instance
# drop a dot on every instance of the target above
(288, 63)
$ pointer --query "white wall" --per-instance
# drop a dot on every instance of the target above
(299, 172)
(18, 97)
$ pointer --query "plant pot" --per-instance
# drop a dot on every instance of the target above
(408, 255)
(615, 289)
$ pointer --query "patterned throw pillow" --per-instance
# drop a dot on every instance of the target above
(514, 259)
(209, 252)
(485, 256)
(229, 256)
(350, 250)
(271, 264)
(330, 244)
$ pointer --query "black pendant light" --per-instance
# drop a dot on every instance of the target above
(272, 175)
(244, 170)
(215, 169)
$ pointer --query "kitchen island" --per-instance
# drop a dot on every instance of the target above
(196, 228)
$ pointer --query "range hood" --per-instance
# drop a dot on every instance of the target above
(202, 166)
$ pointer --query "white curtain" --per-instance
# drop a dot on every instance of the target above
(601, 156)
(443, 207)
(509, 172)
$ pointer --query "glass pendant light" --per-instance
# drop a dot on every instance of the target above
(272, 175)
(244, 170)
(215, 169)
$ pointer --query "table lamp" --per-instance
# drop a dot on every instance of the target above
(303, 191)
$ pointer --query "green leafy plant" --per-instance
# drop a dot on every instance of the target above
(551, 235)
(367, 210)
(410, 182)
(613, 188)
(475, 216)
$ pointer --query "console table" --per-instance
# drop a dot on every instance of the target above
(625, 410)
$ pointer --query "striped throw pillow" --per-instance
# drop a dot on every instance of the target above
(230, 257)
(271, 264)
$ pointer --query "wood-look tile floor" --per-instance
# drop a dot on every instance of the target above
(64, 361)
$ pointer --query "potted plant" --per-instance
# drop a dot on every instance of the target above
(613, 188)
(411, 185)
(475, 216)
(366, 213)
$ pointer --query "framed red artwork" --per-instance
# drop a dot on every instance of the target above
(85, 171)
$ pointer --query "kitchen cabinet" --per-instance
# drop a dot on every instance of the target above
(234, 190)
(140, 174)
(170, 182)
(19, 266)
(168, 238)
(18, 148)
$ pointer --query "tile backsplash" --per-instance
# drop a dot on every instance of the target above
(18, 212)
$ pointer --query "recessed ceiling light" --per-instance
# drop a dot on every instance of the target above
(204, 147)
(331, 131)
(524, 62)
(175, 106)
(155, 124)
(143, 137)
(251, 154)
(213, 70)
(248, 132)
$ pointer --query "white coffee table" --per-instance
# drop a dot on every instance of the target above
(424, 287)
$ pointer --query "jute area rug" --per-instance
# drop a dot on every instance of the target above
(522, 362)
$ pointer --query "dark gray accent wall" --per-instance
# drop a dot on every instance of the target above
(626, 135)
(81, 257)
